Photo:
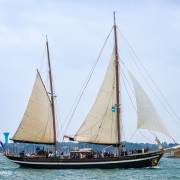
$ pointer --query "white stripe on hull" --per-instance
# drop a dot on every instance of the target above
(84, 163)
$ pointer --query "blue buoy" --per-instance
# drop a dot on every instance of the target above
(6, 137)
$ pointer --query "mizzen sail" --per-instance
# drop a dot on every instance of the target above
(37, 123)
(100, 125)
(147, 116)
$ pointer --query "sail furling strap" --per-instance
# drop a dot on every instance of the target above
(37, 123)
(100, 125)
(147, 116)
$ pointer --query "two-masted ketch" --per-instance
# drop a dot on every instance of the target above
(101, 126)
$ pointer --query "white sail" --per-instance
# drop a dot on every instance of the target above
(37, 123)
(147, 116)
(100, 125)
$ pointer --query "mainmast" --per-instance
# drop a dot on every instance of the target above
(117, 82)
(52, 92)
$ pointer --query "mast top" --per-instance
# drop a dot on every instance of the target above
(46, 38)
(114, 14)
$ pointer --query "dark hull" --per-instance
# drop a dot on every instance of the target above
(133, 161)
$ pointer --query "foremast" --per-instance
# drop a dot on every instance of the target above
(52, 94)
(118, 107)
(102, 123)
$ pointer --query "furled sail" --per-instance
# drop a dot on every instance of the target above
(147, 116)
(100, 125)
(37, 123)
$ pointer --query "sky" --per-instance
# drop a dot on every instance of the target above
(76, 32)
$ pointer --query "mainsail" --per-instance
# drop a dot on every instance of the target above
(100, 125)
(147, 116)
(37, 123)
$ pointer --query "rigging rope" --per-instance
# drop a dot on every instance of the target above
(150, 140)
(166, 104)
(126, 88)
(79, 97)
(135, 107)
(153, 83)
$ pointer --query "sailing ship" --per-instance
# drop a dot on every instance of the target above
(101, 126)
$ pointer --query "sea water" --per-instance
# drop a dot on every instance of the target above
(167, 169)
